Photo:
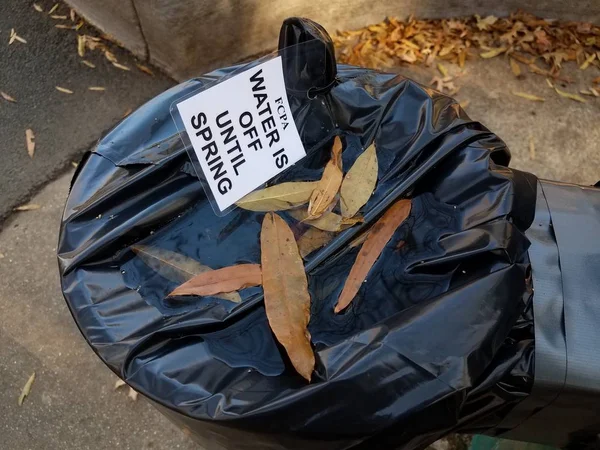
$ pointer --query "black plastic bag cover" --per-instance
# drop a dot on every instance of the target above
(439, 337)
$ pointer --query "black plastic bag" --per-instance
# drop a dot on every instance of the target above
(439, 338)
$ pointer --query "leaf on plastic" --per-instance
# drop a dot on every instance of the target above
(514, 66)
(575, 97)
(287, 301)
(26, 389)
(359, 182)
(533, 98)
(493, 52)
(219, 281)
(175, 266)
(28, 207)
(63, 90)
(379, 235)
(328, 221)
(7, 97)
(329, 184)
(30, 142)
(312, 240)
(278, 197)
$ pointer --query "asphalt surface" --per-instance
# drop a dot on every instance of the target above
(64, 125)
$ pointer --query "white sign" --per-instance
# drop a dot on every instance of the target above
(242, 131)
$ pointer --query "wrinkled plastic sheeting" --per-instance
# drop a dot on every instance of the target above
(439, 337)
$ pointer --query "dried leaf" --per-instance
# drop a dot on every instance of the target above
(145, 69)
(328, 186)
(484, 24)
(575, 97)
(110, 56)
(287, 301)
(379, 235)
(64, 90)
(359, 182)
(278, 197)
(531, 148)
(549, 83)
(313, 239)
(533, 98)
(442, 69)
(126, 113)
(79, 25)
(175, 266)
(594, 92)
(359, 240)
(37, 7)
(53, 9)
(72, 15)
(493, 52)
(514, 66)
(119, 383)
(20, 39)
(89, 64)
(63, 27)
(81, 45)
(219, 281)
(30, 142)
(96, 88)
(464, 104)
(58, 17)
(327, 222)
(74, 164)
(132, 394)
(28, 207)
(120, 66)
(26, 389)
(588, 61)
(7, 97)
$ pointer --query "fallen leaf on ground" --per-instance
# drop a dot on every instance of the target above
(15, 37)
(219, 281)
(379, 235)
(63, 27)
(442, 69)
(533, 98)
(493, 52)
(328, 221)
(79, 25)
(313, 239)
(119, 383)
(26, 389)
(64, 90)
(7, 97)
(549, 83)
(278, 197)
(359, 182)
(81, 45)
(89, 64)
(120, 66)
(54, 8)
(531, 148)
(175, 266)
(30, 142)
(328, 186)
(74, 164)
(588, 61)
(132, 394)
(514, 66)
(110, 56)
(72, 15)
(484, 24)
(28, 207)
(58, 17)
(96, 88)
(37, 7)
(126, 113)
(287, 301)
(145, 69)
(575, 97)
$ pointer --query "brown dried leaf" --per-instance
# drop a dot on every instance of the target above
(379, 235)
(328, 186)
(175, 266)
(96, 88)
(120, 66)
(89, 64)
(278, 197)
(359, 182)
(219, 281)
(575, 97)
(287, 301)
(533, 98)
(484, 24)
(28, 207)
(26, 389)
(30, 142)
(313, 239)
(514, 66)
(145, 69)
(531, 148)
(327, 222)
(64, 90)
(37, 7)
(493, 52)
(7, 97)
(81, 45)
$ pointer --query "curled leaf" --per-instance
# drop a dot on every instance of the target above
(379, 235)
(328, 221)
(225, 280)
(575, 97)
(278, 197)
(30, 142)
(533, 98)
(359, 182)
(287, 301)
(327, 188)
(175, 266)
(493, 52)
(26, 389)
(313, 239)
